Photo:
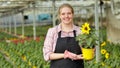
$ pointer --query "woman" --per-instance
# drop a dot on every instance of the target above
(60, 46)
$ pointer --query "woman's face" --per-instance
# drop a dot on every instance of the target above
(66, 15)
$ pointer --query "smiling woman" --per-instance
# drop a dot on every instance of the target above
(60, 45)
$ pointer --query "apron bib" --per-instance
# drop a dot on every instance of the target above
(70, 44)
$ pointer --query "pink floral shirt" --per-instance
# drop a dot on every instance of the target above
(51, 38)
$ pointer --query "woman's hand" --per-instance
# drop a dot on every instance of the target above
(69, 55)
(72, 56)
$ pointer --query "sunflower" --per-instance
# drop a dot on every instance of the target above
(7, 54)
(85, 28)
(29, 63)
(24, 58)
(34, 67)
(103, 44)
(107, 55)
(103, 51)
(103, 64)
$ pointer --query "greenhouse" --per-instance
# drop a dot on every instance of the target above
(24, 25)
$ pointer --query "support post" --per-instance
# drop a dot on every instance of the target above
(53, 12)
(23, 21)
(97, 32)
(34, 21)
(15, 28)
(9, 24)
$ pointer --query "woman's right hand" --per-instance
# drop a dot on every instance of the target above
(70, 55)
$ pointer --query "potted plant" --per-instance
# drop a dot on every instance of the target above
(87, 40)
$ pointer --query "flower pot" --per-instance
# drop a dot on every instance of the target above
(88, 54)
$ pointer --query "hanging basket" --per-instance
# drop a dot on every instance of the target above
(88, 54)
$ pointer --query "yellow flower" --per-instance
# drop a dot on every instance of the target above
(109, 66)
(29, 63)
(85, 28)
(107, 55)
(103, 64)
(103, 51)
(103, 44)
(108, 41)
(22, 36)
(7, 54)
(95, 62)
(34, 67)
(24, 58)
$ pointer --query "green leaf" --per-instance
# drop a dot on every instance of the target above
(89, 41)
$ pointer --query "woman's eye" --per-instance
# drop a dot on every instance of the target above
(69, 13)
(63, 14)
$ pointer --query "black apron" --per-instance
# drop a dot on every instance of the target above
(70, 44)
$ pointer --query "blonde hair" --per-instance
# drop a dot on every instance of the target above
(66, 5)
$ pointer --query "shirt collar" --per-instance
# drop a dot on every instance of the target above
(60, 29)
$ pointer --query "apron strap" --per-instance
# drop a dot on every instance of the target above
(74, 33)
(59, 34)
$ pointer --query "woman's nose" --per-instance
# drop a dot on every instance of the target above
(66, 15)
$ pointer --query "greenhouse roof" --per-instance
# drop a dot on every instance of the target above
(8, 6)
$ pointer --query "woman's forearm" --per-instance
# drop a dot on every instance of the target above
(54, 56)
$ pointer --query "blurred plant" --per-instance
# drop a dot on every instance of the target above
(110, 56)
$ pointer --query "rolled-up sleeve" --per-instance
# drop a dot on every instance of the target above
(48, 44)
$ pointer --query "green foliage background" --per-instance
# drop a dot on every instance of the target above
(11, 54)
